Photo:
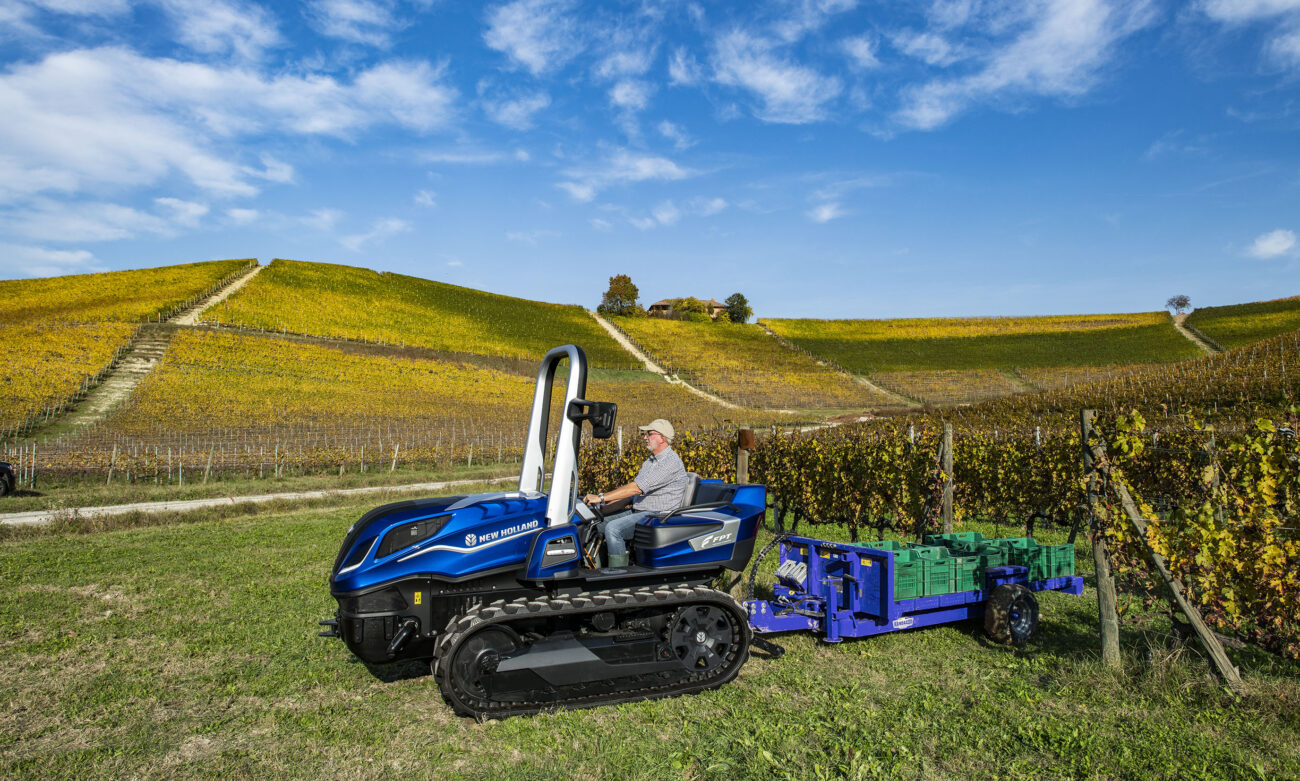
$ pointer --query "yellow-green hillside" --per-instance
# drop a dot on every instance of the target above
(1233, 326)
(743, 364)
(322, 299)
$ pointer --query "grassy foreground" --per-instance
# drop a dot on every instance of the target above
(188, 650)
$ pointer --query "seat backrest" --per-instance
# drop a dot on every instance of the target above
(692, 486)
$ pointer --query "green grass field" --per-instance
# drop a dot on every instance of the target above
(934, 344)
(188, 650)
(1233, 326)
(323, 299)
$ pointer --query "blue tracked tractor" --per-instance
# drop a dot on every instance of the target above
(506, 596)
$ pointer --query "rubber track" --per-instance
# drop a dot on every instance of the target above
(503, 612)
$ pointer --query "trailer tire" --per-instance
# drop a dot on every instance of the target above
(1011, 615)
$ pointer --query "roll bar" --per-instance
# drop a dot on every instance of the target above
(564, 480)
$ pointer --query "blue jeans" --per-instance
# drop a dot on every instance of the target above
(618, 529)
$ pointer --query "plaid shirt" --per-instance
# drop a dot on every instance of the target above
(662, 481)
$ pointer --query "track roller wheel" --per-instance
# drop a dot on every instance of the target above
(701, 636)
(476, 661)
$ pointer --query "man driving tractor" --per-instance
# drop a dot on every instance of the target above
(657, 488)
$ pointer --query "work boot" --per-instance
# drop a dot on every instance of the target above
(618, 560)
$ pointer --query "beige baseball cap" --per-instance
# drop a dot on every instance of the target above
(662, 426)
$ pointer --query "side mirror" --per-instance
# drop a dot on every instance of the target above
(602, 415)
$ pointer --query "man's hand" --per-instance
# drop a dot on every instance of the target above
(591, 499)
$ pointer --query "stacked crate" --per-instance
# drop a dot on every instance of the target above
(951, 563)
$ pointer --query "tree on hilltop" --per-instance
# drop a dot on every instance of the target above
(738, 308)
(691, 309)
(621, 298)
(1178, 303)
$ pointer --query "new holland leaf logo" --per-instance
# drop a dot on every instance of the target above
(470, 539)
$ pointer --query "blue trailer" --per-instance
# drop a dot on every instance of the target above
(840, 590)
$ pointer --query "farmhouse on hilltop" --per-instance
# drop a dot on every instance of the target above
(664, 307)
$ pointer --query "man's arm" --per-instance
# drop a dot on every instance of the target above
(622, 492)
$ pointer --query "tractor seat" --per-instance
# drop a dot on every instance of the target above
(692, 488)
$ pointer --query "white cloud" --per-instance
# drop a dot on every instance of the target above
(186, 213)
(861, 50)
(463, 157)
(1247, 10)
(47, 220)
(809, 15)
(358, 21)
(220, 27)
(1283, 17)
(42, 262)
(531, 237)
(379, 230)
(273, 170)
(826, 212)
(426, 198)
(666, 213)
(622, 167)
(643, 223)
(676, 134)
(707, 207)
(683, 69)
(631, 94)
(1273, 244)
(541, 35)
(790, 93)
(242, 216)
(930, 48)
(1284, 49)
(455, 263)
(600, 225)
(626, 60)
(516, 111)
(322, 220)
(108, 117)
(837, 188)
(1060, 52)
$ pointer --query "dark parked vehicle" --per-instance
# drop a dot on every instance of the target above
(7, 478)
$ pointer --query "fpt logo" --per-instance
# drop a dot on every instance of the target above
(471, 539)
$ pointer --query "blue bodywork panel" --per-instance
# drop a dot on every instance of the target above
(839, 590)
(478, 534)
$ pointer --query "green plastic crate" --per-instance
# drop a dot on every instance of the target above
(950, 539)
(989, 555)
(909, 575)
(1058, 560)
(1031, 558)
(890, 545)
(967, 573)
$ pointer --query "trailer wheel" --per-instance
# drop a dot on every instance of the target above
(1011, 615)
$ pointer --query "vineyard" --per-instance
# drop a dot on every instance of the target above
(63, 333)
(933, 344)
(1241, 324)
(117, 296)
(324, 300)
(48, 362)
(1211, 444)
(744, 365)
(259, 405)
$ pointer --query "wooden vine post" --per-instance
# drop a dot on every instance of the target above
(744, 444)
(1177, 591)
(1107, 612)
(947, 478)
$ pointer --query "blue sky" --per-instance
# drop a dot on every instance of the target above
(827, 158)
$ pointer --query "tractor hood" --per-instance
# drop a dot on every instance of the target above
(449, 538)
